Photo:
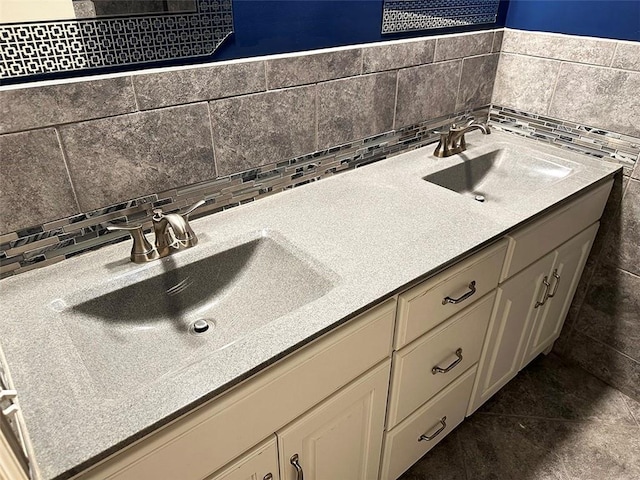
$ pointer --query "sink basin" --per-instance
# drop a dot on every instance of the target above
(150, 323)
(502, 174)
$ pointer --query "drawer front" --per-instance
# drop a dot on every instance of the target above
(424, 306)
(211, 436)
(532, 242)
(405, 444)
(256, 464)
(456, 345)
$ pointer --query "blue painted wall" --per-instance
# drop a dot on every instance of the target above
(265, 27)
(619, 19)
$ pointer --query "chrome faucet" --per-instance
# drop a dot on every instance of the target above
(452, 141)
(172, 233)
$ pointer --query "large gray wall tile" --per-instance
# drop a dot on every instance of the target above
(354, 108)
(622, 247)
(35, 183)
(627, 56)
(465, 45)
(27, 108)
(597, 96)
(264, 128)
(610, 310)
(196, 84)
(118, 158)
(476, 83)
(525, 83)
(399, 55)
(312, 68)
(560, 47)
(426, 92)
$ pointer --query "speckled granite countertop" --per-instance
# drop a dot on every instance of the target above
(373, 231)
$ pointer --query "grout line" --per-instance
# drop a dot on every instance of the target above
(553, 93)
(266, 84)
(465, 468)
(624, 399)
(66, 166)
(135, 95)
(213, 145)
(395, 103)
(459, 83)
(613, 57)
(551, 419)
(317, 117)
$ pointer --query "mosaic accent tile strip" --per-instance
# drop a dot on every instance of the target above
(42, 245)
(412, 15)
(614, 147)
(62, 46)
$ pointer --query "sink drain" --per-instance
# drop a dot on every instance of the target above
(479, 198)
(201, 326)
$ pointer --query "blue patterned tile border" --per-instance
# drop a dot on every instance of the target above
(61, 46)
(411, 15)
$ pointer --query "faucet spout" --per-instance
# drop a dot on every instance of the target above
(453, 141)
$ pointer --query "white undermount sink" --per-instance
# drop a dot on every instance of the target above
(132, 335)
(502, 174)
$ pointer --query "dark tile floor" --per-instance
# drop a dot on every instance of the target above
(553, 421)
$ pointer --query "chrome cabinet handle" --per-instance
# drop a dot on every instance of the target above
(268, 476)
(295, 461)
(428, 438)
(546, 292)
(555, 287)
(438, 369)
(472, 290)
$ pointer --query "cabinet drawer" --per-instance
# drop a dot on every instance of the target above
(208, 438)
(421, 308)
(414, 380)
(258, 463)
(403, 446)
(532, 242)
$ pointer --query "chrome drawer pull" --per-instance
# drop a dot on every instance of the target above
(546, 292)
(555, 287)
(438, 369)
(428, 438)
(295, 461)
(268, 476)
(472, 290)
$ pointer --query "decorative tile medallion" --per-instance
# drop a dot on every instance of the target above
(410, 15)
(62, 46)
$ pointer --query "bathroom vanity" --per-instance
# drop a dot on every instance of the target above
(413, 302)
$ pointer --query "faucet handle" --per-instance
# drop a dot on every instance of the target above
(468, 121)
(190, 210)
(141, 250)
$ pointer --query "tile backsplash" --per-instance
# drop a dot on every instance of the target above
(81, 154)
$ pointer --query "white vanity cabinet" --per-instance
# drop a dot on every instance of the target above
(261, 463)
(531, 305)
(441, 329)
(338, 382)
(340, 438)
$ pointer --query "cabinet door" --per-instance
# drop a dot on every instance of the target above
(342, 437)
(513, 316)
(261, 463)
(570, 260)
